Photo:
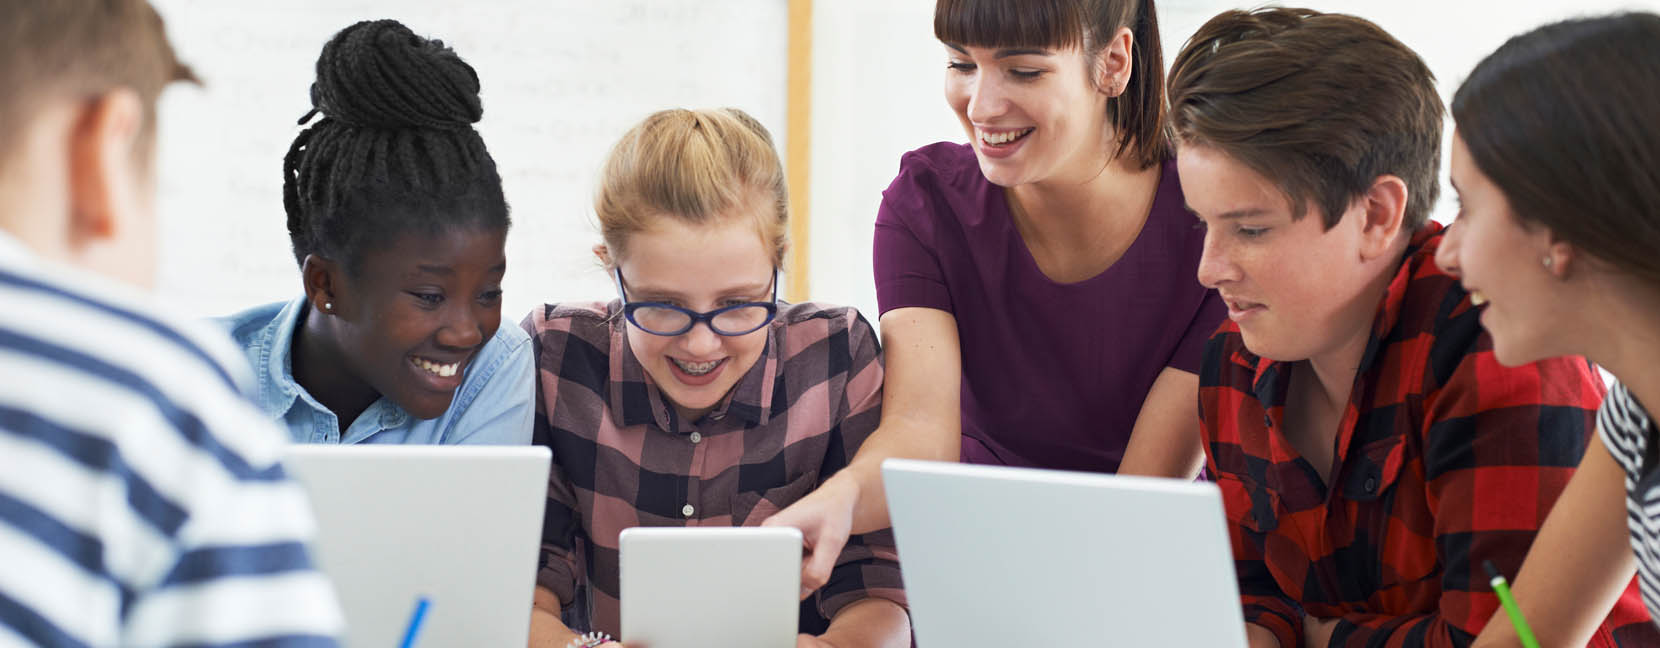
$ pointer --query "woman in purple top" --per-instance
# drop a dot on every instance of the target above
(1038, 289)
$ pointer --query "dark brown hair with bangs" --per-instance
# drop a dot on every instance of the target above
(1137, 115)
(1321, 104)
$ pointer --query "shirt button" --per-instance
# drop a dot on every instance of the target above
(1267, 421)
(687, 510)
(1371, 484)
(697, 437)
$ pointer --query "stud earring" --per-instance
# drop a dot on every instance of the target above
(329, 306)
(1548, 261)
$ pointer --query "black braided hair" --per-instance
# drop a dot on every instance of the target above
(395, 148)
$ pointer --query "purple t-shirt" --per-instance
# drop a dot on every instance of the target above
(1053, 374)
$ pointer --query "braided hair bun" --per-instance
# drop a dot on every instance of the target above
(395, 147)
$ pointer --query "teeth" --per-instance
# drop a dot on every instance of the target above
(1004, 137)
(440, 370)
(696, 368)
(1476, 298)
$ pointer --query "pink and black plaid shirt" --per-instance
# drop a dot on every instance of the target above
(623, 457)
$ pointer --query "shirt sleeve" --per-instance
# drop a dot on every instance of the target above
(501, 411)
(1500, 445)
(238, 570)
(1261, 599)
(1191, 350)
(869, 564)
(557, 562)
(907, 268)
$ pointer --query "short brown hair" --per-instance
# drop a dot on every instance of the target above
(1321, 104)
(1560, 119)
(692, 165)
(1139, 114)
(80, 47)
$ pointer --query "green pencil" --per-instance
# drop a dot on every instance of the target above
(1524, 632)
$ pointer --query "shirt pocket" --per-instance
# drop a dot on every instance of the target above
(1395, 515)
(1249, 505)
(750, 508)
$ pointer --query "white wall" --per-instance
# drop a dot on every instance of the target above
(563, 78)
(877, 94)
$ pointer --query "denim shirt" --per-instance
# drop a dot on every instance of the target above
(495, 404)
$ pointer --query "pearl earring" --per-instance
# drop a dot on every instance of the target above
(1548, 261)
(329, 306)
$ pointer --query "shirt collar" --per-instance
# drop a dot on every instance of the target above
(636, 399)
(276, 367)
(1271, 380)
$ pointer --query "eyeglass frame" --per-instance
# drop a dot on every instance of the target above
(706, 317)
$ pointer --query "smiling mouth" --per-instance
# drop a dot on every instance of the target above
(438, 369)
(1003, 138)
(697, 368)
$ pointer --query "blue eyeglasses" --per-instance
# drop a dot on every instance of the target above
(658, 318)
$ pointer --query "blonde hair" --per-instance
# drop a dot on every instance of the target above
(692, 165)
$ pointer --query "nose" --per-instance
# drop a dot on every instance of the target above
(462, 327)
(701, 341)
(987, 99)
(1446, 256)
(1215, 267)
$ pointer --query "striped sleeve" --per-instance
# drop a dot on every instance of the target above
(141, 502)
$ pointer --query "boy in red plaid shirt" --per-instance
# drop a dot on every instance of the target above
(1371, 452)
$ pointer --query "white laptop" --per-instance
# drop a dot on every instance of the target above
(996, 556)
(459, 525)
(710, 587)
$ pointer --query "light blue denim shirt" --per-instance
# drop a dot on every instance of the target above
(495, 405)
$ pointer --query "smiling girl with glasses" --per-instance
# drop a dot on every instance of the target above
(697, 398)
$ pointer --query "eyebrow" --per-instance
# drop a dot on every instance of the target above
(448, 271)
(752, 290)
(1007, 52)
(1237, 213)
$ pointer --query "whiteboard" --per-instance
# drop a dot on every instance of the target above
(561, 81)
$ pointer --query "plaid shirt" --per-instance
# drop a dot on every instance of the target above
(1444, 459)
(623, 457)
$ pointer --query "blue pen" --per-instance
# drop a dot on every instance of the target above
(421, 604)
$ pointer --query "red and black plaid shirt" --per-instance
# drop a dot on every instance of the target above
(1444, 459)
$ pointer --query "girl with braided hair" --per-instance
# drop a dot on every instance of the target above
(398, 223)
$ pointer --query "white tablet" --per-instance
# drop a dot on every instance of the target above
(710, 587)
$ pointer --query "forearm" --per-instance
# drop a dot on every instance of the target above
(1165, 441)
(1259, 637)
(1579, 564)
(547, 630)
(898, 439)
(870, 623)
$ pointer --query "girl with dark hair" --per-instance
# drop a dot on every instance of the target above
(1557, 167)
(398, 223)
(1039, 306)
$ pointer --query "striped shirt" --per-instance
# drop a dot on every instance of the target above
(623, 457)
(1627, 431)
(141, 503)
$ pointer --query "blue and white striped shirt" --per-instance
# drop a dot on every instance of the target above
(141, 502)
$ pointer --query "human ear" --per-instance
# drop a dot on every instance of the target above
(105, 172)
(1114, 63)
(323, 278)
(1383, 210)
